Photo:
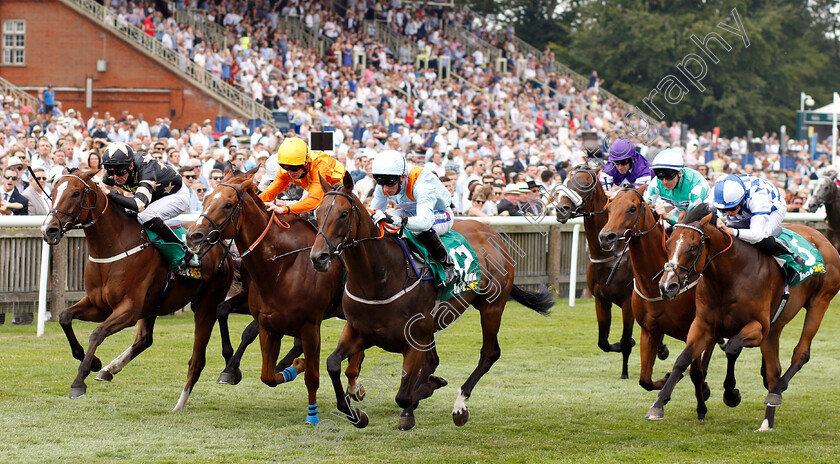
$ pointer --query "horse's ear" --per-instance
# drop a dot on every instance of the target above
(324, 184)
(642, 189)
(706, 219)
(348, 181)
(249, 174)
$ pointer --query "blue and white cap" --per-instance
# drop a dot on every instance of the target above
(729, 192)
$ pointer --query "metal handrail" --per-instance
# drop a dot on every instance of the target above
(471, 42)
(175, 61)
(210, 31)
(21, 98)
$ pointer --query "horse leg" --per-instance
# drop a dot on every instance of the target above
(648, 342)
(235, 304)
(83, 310)
(731, 395)
(204, 311)
(491, 319)
(698, 340)
(232, 375)
(349, 344)
(143, 340)
(355, 389)
(773, 369)
(627, 341)
(406, 397)
(697, 373)
(662, 351)
(295, 352)
(116, 321)
(427, 382)
(603, 309)
(310, 336)
(270, 347)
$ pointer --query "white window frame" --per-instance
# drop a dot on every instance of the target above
(13, 42)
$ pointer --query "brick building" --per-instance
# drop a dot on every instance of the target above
(47, 42)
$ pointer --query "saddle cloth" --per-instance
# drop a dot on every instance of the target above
(814, 263)
(467, 267)
(173, 253)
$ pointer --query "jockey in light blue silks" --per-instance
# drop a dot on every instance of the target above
(752, 209)
(424, 204)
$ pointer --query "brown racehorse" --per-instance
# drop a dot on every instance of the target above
(127, 290)
(286, 296)
(632, 220)
(387, 305)
(584, 196)
(827, 193)
(737, 297)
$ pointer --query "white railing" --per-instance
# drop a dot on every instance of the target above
(173, 60)
(20, 97)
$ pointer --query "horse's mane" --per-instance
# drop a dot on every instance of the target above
(697, 213)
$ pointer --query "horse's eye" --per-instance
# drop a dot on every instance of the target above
(228, 205)
(76, 194)
(693, 248)
(343, 215)
(632, 209)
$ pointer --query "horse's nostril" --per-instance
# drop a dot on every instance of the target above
(673, 287)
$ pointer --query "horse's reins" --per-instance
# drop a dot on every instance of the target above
(629, 235)
(72, 222)
(671, 267)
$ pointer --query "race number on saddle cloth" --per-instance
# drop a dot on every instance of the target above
(625, 167)
(813, 260)
(301, 167)
(172, 252)
(467, 276)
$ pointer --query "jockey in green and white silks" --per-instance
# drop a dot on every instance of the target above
(675, 188)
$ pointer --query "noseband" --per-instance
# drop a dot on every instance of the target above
(577, 199)
(686, 282)
(74, 218)
(337, 250)
(218, 228)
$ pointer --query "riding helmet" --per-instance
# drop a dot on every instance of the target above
(293, 152)
(622, 149)
(118, 154)
(729, 192)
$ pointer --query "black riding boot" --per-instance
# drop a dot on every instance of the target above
(437, 252)
(166, 234)
(775, 247)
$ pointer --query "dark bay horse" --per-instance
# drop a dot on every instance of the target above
(737, 298)
(386, 305)
(286, 296)
(583, 196)
(125, 280)
(827, 193)
(631, 220)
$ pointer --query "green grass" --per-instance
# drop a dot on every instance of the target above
(552, 397)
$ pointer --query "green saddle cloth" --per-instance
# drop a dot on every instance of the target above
(814, 263)
(173, 253)
(467, 267)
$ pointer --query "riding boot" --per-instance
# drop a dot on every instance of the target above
(437, 251)
(776, 247)
(166, 234)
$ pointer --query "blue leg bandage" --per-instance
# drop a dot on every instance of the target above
(289, 374)
(312, 417)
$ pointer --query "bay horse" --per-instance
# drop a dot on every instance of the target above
(827, 193)
(631, 220)
(738, 297)
(387, 305)
(286, 296)
(583, 196)
(126, 281)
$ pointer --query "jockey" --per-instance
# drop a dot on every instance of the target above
(300, 166)
(752, 209)
(625, 167)
(676, 188)
(424, 204)
(157, 191)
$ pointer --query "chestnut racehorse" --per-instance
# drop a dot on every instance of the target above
(388, 305)
(827, 193)
(631, 220)
(125, 281)
(583, 196)
(738, 297)
(286, 296)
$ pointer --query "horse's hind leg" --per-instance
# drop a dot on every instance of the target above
(731, 395)
(626, 343)
(84, 310)
(205, 319)
(349, 344)
(311, 339)
(355, 389)
(118, 320)
(232, 375)
(143, 340)
(407, 398)
(491, 319)
(427, 383)
(772, 371)
(604, 316)
(295, 352)
(235, 304)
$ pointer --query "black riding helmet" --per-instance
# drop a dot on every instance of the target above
(117, 157)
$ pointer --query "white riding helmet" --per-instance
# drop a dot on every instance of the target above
(669, 158)
(389, 163)
(729, 192)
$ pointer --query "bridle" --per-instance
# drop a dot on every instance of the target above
(629, 234)
(576, 198)
(337, 250)
(72, 223)
(705, 240)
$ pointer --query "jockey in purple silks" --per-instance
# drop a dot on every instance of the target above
(625, 167)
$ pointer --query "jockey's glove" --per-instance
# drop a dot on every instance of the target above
(378, 216)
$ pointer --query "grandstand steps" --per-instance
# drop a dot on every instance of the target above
(21, 98)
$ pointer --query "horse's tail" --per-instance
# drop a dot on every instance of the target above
(540, 301)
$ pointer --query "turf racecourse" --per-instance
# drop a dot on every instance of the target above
(552, 397)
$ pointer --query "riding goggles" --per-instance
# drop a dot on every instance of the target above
(666, 174)
(116, 170)
(292, 167)
(386, 180)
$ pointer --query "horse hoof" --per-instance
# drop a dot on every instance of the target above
(624, 377)
(732, 399)
(363, 419)
(230, 379)
(461, 418)
(406, 423)
(104, 376)
(655, 413)
(78, 392)
(663, 352)
(439, 382)
(774, 400)
(358, 395)
(707, 392)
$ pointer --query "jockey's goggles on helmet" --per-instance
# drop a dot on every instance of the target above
(666, 174)
(729, 210)
(292, 167)
(116, 170)
(386, 180)
(623, 162)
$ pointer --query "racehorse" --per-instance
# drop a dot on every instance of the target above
(738, 297)
(630, 219)
(286, 296)
(827, 193)
(388, 305)
(584, 196)
(126, 281)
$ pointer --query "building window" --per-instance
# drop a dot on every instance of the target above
(14, 39)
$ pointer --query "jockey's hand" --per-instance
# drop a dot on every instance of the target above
(104, 188)
(397, 221)
(270, 206)
(660, 210)
(378, 216)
